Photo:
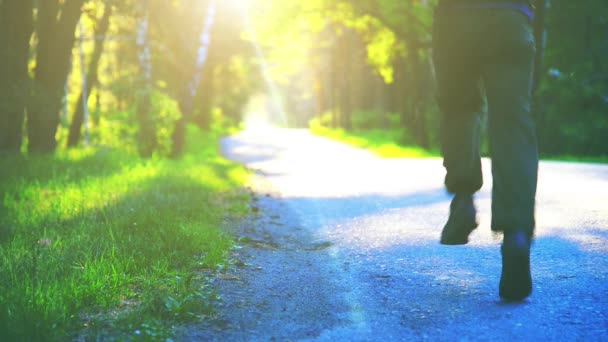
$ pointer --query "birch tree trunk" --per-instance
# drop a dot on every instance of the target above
(147, 133)
(179, 132)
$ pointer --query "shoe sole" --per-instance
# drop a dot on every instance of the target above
(451, 241)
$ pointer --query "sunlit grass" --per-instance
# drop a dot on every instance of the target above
(94, 238)
(385, 144)
(382, 143)
(594, 160)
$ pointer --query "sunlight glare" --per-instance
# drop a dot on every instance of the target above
(237, 5)
(275, 108)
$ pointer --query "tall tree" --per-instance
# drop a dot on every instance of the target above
(539, 36)
(16, 26)
(147, 141)
(346, 43)
(92, 75)
(56, 27)
(178, 137)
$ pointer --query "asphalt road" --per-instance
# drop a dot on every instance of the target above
(343, 245)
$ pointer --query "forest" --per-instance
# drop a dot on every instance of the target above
(114, 199)
(133, 73)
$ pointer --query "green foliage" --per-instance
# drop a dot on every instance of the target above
(570, 105)
(380, 53)
(101, 239)
(337, 56)
(573, 99)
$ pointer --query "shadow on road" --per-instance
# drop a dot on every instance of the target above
(381, 274)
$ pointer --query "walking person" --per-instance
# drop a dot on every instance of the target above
(484, 53)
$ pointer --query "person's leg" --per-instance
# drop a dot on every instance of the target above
(507, 76)
(459, 98)
(459, 132)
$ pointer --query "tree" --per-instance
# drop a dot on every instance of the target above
(573, 96)
(539, 36)
(16, 26)
(146, 138)
(56, 26)
(92, 77)
(192, 85)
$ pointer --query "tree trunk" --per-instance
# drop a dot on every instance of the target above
(345, 52)
(400, 89)
(416, 119)
(146, 139)
(204, 100)
(179, 131)
(147, 142)
(318, 91)
(16, 26)
(56, 27)
(335, 79)
(92, 77)
(202, 55)
(367, 97)
(540, 37)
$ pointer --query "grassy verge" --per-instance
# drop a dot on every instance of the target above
(383, 143)
(594, 160)
(96, 239)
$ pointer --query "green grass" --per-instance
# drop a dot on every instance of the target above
(101, 240)
(383, 143)
(594, 160)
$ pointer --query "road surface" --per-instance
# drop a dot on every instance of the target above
(343, 245)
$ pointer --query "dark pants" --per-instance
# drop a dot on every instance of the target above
(487, 54)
